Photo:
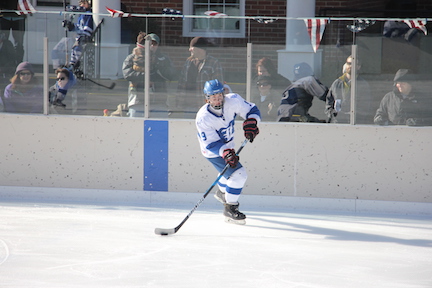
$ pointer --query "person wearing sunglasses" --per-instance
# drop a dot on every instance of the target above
(338, 99)
(65, 80)
(266, 98)
(24, 94)
(266, 67)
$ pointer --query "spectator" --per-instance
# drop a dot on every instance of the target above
(338, 100)
(65, 80)
(404, 105)
(265, 67)
(394, 29)
(161, 70)
(266, 98)
(84, 30)
(199, 68)
(7, 60)
(24, 94)
(298, 97)
(11, 21)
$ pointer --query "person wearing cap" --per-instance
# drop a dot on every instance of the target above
(161, 71)
(403, 105)
(338, 99)
(199, 68)
(24, 94)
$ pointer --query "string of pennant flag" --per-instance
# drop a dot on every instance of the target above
(315, 26)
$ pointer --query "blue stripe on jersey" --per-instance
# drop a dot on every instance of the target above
(254, 110)
(214, 147)
(155, 155)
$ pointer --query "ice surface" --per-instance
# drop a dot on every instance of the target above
(58, 245)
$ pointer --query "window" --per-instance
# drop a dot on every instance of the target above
(52, 3)
(214, 26)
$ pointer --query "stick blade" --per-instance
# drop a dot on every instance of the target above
(164, 232)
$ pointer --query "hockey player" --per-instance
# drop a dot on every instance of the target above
(298, 97)
(215, 125)
(84, 30)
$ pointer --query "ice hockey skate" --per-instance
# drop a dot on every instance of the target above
(220, 196)
(233, 215)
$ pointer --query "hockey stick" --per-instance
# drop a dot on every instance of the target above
(169, 231)
(113, 84)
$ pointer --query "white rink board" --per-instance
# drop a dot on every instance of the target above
(286, 159)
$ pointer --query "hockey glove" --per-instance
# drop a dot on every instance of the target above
(68, 25)
(230, 157)
(138, 68)
(250, 129)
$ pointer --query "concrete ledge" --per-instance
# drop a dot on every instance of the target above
(172, 199)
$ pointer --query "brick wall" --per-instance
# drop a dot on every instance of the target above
(271, 33)
(337, 38)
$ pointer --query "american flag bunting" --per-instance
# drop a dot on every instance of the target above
(419, 24)
(25, 7)
(117, 13)
(315, 28)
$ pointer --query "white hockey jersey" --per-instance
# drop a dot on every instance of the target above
(216, 133)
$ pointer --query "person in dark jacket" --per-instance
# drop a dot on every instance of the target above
(15, 23)
(265, 67)
(266, 98)
(7, 60)
(404, 105)
(199, 68)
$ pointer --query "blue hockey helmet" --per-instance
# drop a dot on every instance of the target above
(302, 70)
(212, 87)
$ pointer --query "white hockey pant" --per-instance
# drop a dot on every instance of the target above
(233, 185)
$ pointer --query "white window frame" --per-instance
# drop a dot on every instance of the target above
(188, 30)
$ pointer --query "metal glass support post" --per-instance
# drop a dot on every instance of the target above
(45, 76)
(248, 71)
(147, 77)
(353, 84)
